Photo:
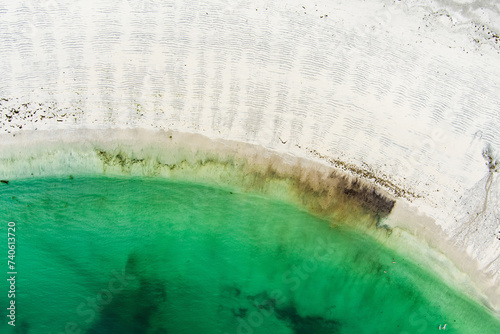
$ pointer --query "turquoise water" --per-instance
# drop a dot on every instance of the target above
(136, 255)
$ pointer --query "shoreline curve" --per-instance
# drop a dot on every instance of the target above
(322, 189)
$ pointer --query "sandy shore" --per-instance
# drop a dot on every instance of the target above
(326, 190)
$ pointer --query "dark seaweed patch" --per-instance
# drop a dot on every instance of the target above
(307, 324)
(263, 304)
(131, 311)
(370, 199)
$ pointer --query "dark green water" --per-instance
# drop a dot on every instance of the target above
(117, 255)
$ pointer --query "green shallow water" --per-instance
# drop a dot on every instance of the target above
(131, 255)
